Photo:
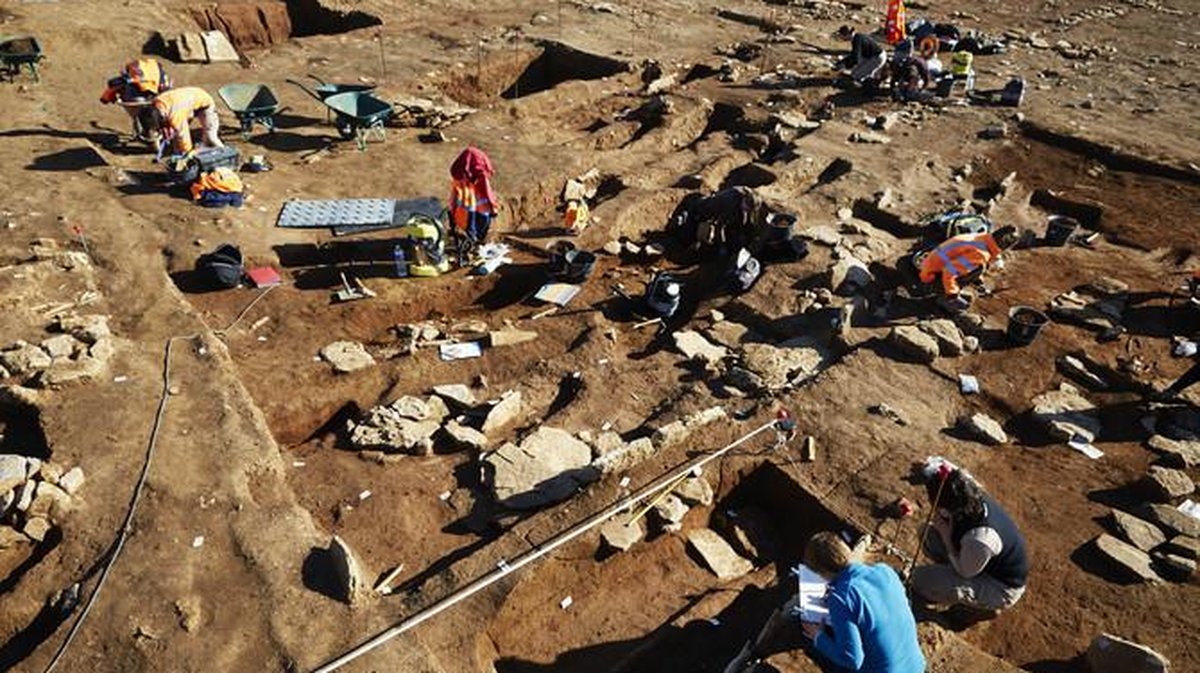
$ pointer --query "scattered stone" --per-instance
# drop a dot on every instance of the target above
(613, 248)
(548, 466)
(670, 512)
(777, 367)
(887, 412)
(456, 395)
(89, 329)
(1174, 567)
(49, 501)
(1175, 453)
(24, 496)
(466, 437)
(1067, 413)
(844, 214)
(1111, 654)
(1170, 519)
(70, 482)
(619, 534)
(12, 471)
(36, 528)
(949, 337)
(504, 413)
(347, 356)
(1135, 561)
(848, 274)
(885, 122)
(994, 131)
(510, 337)
(696, 347)
(1106, 286)
(915, 343)
(1074, 368)
(7, 500)
(1167, 484)
(1182, 545)
(61, 346)
(10, 536)
(33, 467)
(718, 555)
(190, 613)
(970, 344)
(983, 428)
(406, 425)
(869, 138)
(625, 456)
(23, 359)
(727, 333)
(695, 491)
(1142, 534)
(823, 234)
(678, 432)
(347, 571)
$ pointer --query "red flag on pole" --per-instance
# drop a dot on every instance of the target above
(894, 26)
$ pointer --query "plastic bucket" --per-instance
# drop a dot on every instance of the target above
(1025, 323)
(1059, 229)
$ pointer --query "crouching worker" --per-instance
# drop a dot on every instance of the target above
(473, 205)
(870, 626)
(962, 260)
(217, 188)
(134, 88)
(979, 554)
(174, 111)
(865, 60)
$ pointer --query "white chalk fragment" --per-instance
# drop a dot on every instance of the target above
(566, 602)
(364, 495)
(198, 542)
(120, 379)
(444, 496)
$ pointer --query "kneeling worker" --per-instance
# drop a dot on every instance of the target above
(979, 554)
(870, 628)
(175, 109)
(963, 259)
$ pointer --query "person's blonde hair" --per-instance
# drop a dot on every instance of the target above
(827, 555)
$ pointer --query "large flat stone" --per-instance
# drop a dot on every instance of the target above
(1175, 453)
(695, 491)
(1135, 562)
(1170, 519)
(947, 334)
(984, 428)
(548, 466)
(504, 413)
(1066, 413)
(1112, 654)
(625, 456)
(347, 356)
(718, 555)
(456, 394)
(1167, 484)
(466, 437)
(780, 366)
(696, 347)
(1142, 534)
(915, 343)
(620, 534)
(24, 359)
(12, 471)
(1182, 545)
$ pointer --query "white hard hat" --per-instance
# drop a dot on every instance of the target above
(673, 289)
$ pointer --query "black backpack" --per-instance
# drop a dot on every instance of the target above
(221, 267)
(1013, 93)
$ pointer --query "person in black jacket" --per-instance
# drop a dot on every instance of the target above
(980, 557)
(866, 58)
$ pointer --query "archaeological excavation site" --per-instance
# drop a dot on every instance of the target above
(600, 337)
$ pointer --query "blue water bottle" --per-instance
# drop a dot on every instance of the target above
(401, 261)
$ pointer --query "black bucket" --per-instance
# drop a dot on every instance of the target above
(1024, 324)
(1059, 229)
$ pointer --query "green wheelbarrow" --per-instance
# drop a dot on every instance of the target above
(359, 115)
(251, 104)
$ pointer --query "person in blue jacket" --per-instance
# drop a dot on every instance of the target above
(870, 629)
(871, 626)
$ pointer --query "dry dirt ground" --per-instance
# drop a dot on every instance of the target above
(250, 453)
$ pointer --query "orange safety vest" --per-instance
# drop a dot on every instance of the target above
(959, 256)
(176, 109)
(221, 179)
(469, 199)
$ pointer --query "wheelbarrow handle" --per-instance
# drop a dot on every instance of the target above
(317, 79)
(306, 90)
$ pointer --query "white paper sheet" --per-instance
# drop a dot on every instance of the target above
(811, 603)
(1085, 447)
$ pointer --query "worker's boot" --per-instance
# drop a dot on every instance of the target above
(955, 304)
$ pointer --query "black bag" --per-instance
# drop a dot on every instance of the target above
(221, 267)
(1013, 93)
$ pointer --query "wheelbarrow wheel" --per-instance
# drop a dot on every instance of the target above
(346, 127)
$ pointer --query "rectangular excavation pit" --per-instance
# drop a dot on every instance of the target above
(261, 23)
(655, 607)
(559, 63)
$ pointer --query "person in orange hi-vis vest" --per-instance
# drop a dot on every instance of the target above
(963, 259)
(473, 205)
(175, 109)
(135, 88)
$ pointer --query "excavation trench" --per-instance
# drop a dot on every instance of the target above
(517, 71)
(260, 23)
(656, 607)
